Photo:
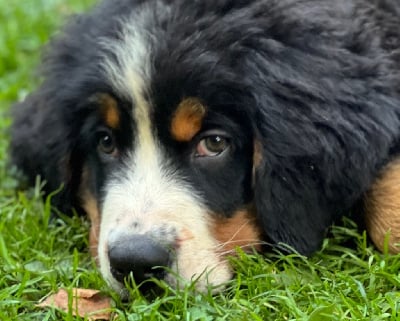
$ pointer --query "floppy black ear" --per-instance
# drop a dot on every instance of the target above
(309, 174)
(290, 204)
(40, 146)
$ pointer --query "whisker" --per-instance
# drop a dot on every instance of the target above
(232, 241)
(239, 229)
(246, 246)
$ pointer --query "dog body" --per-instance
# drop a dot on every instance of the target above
(187, 128)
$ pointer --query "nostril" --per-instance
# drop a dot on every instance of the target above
(139, 255)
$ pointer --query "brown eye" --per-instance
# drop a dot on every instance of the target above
(211, 146)
(106, 143)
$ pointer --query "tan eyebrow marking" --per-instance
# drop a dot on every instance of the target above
(109, 110)
(187, 119)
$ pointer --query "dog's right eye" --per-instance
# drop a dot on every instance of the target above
(211, 146)
(106, 143)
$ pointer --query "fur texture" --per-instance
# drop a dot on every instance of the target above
(299, 106)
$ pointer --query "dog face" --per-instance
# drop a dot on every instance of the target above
(187, 128)
(186, 169)
(167, 160)
(167, 189)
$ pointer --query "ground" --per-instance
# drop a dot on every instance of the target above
(340, 282)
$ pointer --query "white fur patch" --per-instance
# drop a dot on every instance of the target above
(147, 196)
(130, 73)
(148, 199)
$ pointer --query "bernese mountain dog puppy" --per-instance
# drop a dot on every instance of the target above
(185, 129)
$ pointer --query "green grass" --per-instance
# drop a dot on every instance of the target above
(337, 283)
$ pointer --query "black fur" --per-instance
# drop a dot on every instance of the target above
(316, 82)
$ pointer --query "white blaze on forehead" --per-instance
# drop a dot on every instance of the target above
(129, 71)
(130, 77)
(147, 196)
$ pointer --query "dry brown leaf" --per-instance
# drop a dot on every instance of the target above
(85, 302)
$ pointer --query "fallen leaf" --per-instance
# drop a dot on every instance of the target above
(85, 303)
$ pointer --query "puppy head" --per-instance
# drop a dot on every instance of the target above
(181, 142)
(154, 146)
(166, 153)
(168, 190)
(159, 135)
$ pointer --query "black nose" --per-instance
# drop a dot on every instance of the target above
(139, 255)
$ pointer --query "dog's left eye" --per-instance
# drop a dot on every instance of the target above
(106, 143)
(211, 146)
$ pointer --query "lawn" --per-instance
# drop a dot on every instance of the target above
(38, 257)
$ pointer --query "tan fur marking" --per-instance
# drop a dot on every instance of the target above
(89, 205)
(382, 208)
(109, 111)
(257, 154)
(257, 159)
(241, 230)
(187, 120)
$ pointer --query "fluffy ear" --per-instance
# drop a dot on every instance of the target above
(40, 146)
(290, 206)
